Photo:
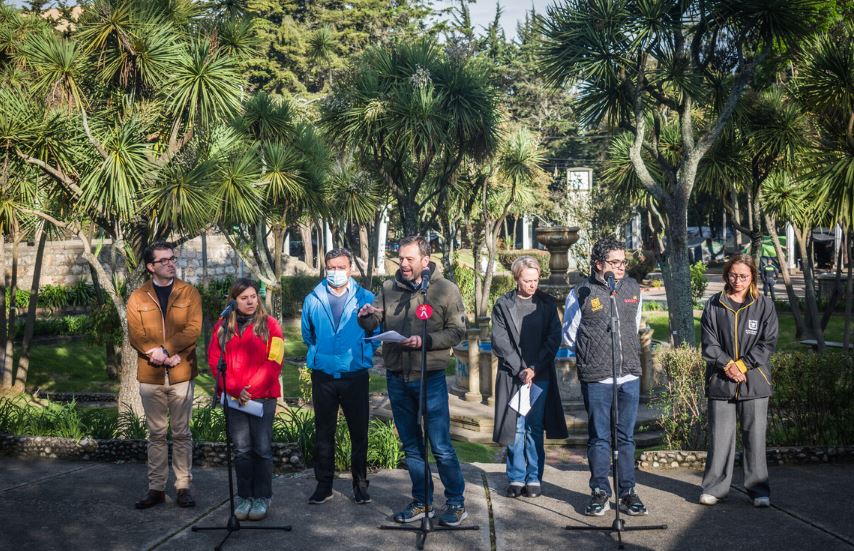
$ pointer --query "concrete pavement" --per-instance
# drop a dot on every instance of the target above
(57, 505)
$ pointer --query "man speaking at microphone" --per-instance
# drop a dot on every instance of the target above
(395, 308)
(586, 330)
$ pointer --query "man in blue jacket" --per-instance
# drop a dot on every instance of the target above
(339, 359)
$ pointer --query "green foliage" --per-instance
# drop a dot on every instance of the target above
(465, 281)
(99, 423)
(305, 384)
(208, 424)
(75, 325)
(296, 425)
(811, 404)
(506, 258)
(131, 426)
(640, 264)
(698, 282)
(683, 402)
(57, 297)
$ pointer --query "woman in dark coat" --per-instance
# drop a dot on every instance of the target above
(525, 337)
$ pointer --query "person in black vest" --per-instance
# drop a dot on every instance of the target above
(586, 330)
(769, 278)
(525, 337)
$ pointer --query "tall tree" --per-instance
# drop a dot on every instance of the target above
(639, 65)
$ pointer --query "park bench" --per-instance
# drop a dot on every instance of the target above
(813, 343)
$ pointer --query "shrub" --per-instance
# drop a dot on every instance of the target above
(506, 258)
(208, 425)
(465, 281)
(811, 403)
(683, 403)
(640, 264)
(698, 282)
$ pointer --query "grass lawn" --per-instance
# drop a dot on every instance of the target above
(472, 452)
(786, 340)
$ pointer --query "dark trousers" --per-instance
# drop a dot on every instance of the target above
(252, 438)
(351, 394)
(768, 288)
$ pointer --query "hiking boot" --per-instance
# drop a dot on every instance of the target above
(260, 506)
(632, 505)
(599, 503)
(360, 493)
(184, 498)
(453, 515)
(242, 507)
(321, 494)
(414, 511)
(152, 498)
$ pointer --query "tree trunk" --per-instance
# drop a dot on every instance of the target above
(677, 275)
(8, 360)
(849, 295)
(305, 235)
(364, 242)
(409, 216)
(814, 323)
(128, 398)
(3, 326)
(837, 290)
(276, 297)
(26, 345)
(736, 218)
(206, 320)
(794, 302)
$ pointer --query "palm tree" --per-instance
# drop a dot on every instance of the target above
(647, 66)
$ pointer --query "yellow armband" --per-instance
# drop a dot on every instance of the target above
(741, 366)
(277, 350)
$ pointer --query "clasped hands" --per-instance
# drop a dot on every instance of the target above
(157, 356)
(734, 373)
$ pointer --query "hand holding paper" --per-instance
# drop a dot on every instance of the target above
(525, 398)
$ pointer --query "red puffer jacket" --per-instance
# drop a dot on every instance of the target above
(250, 361)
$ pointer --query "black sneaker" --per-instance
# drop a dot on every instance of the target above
(320, 495)
(632, 505)
(515, 490)
(360, 493)
(533, 490)
(599, 503)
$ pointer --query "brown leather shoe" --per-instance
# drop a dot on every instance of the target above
(152, 498)
(184, 498)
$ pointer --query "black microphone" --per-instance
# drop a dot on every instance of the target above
(609, 281)
(425, 280)
(229, 308)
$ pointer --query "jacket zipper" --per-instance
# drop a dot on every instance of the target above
(162, 319)
(735, 337)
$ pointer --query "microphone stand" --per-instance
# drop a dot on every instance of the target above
(427, 525)
(233, 525)
(619, 525)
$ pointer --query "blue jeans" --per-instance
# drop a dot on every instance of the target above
(597, 401)
(252, 438)
(526, 456)
(403, 396)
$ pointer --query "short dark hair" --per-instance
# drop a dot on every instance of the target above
(601, 249)
(335, 253)
(423, 245)
(148, 253)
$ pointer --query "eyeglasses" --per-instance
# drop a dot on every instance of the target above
(616, 263)
(164, 261)
(739, 277)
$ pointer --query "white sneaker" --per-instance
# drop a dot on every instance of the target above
(762, 502)
(242, 505)
(708, 499)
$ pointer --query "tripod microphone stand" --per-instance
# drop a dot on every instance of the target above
(423, 312)
(619, 525)
(233, 525)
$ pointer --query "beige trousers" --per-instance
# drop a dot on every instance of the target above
(176, 400)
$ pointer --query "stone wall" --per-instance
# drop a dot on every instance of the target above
(696, 460)
(64, 264)
(286, 456)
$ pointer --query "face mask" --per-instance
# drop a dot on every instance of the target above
(336, 278)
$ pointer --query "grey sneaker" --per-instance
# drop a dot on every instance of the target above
(260, 505)
(599, 503)
(242, 507)
(414, 511)
(631, 504)
(453, 515)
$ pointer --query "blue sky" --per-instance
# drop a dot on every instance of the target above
(483, 11)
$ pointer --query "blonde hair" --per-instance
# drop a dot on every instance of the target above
(523, 263)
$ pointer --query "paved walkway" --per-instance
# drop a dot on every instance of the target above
(47, 505)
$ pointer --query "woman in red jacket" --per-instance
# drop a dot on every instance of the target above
(254, 352)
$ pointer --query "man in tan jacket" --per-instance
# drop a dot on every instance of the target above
(164, 322)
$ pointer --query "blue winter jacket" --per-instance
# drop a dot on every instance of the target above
(341, 351)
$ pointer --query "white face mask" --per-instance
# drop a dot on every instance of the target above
(336, 278)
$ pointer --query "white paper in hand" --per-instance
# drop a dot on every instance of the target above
(525, 398)
(388, 336)
(252, 407)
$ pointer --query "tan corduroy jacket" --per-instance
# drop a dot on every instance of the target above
(178, 334)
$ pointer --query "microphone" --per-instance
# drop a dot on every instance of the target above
(229, 308)
(609, 281)
(425, 280)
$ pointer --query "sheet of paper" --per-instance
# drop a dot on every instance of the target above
(525, 398)
(252, 407)
(388, 336)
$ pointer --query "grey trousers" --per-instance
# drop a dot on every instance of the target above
(721, 457)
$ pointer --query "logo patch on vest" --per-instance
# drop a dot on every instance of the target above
(595, 304)
(633, 300)
(752, 327)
